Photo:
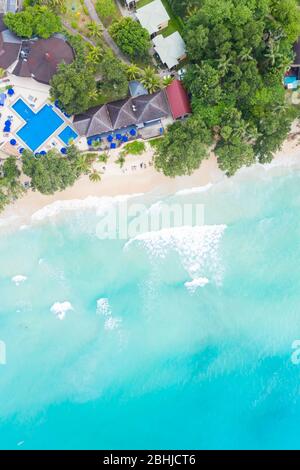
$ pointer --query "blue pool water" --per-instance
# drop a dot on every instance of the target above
(67, 134)
(141, 360)
(39, 126)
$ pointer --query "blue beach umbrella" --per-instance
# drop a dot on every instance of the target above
(124, 138)
(2, 98)
(110, 138)
(21, 150)
(63, 150)
(118, 136)
(43, 152)
(7, 122)
(132, 132)
(6, 129)
(113, 145)
(13, 141)
(90, 141)
(10, 92)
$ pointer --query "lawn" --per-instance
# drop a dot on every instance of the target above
(175, 23)
(107, 11)
(142, 3)
(77, 15)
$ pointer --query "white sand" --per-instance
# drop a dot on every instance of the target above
(116, 181)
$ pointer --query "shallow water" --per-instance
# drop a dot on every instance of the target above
(117, 344)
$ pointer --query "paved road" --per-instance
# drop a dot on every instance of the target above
(106, 36)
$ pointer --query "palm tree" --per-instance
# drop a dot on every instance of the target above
(94, 30)
(121, 160)
(94, 55)
(150, 80)
(224, 64)
(55, 5)
(93, 95)
(4, 199)
(133, 72)
(167, 80)
(96, 144)
(94, 176)
(245, 55)
(103, 157)
(271, 55)
(82, 164)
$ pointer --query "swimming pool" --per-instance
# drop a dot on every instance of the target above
(39, 126)
(67, 134)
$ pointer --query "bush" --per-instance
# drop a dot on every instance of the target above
(134, 148)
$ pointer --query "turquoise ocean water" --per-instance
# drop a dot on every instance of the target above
(141, 359)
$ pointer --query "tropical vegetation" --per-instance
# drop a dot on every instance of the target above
(36, 20)
(238, 53)
(10, 186)
(131, 37)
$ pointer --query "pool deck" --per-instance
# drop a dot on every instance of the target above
(35, 95)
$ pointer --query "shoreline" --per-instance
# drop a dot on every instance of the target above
(138, 177)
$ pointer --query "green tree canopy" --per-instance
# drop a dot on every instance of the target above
(131, 37)
(50, 173)
(35, 20)
(183, 147)
(72, 86)
(114, 82)
(239, 51)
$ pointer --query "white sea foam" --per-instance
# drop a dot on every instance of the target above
(24, 227)
(91, 202)
(59, 309)
(195, 190)
(18, 279)
(111, 323)
(195, 283)
(197, 247)
(103, 307)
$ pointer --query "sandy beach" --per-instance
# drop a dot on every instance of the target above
(139, 176)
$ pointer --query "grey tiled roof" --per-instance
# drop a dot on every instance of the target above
(122, 113)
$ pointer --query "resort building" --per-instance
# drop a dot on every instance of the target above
(131, 3)
(144, 116)
(8, 6)
(153, 17)
(291, 79)
(136, 88)
(178, 100)
(40, 58)
(36, 58)
(171, 49)
(144, 113)
(296, 50)
(10, 46)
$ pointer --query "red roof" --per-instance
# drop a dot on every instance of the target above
(178, 99)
